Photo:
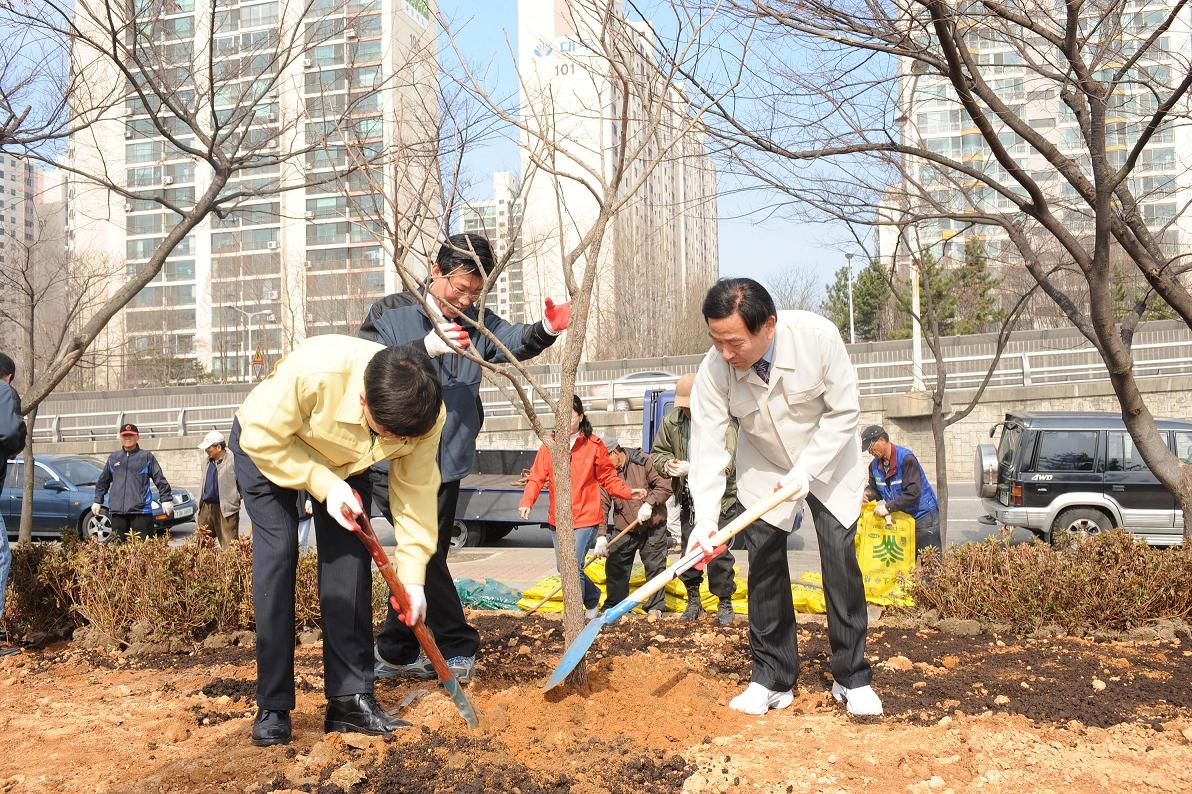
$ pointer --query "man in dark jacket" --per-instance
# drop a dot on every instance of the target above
(649, 539)
(669, 453)
(897, 479)
(456, 281)
(125, 480)
(12, 441)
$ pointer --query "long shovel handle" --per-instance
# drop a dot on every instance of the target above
(691, 559)
(587, 562)
(574, 653)
(401, 602)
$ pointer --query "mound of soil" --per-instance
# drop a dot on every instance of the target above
(962, 712)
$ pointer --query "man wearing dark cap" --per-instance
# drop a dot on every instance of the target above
(125, 481)
(897, 479)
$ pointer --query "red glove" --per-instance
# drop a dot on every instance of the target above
(557, 317)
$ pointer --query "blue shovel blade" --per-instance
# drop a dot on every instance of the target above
(577, 649)
(461, 701)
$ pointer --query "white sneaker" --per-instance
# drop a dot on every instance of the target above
(862, 701)
(590, 614)
(757, 700)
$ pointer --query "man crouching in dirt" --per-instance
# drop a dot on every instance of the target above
(330, 409)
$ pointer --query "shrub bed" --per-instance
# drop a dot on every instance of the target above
(166, 592)
(1110, 581)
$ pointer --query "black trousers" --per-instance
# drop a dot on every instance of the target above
(345, 588)
(444, 613)
(651, 545)
(138, 523)
(772, 613)
(721, 582)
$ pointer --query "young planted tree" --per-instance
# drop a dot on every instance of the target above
(593, 145)
(1049, 129)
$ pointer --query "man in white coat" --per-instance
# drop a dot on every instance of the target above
(788, 380)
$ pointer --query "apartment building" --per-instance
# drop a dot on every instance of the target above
(930, 115)
(659, 255)
(499, 219)
(302, 251)
(18, 182)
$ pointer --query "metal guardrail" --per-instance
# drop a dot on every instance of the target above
(1014, 370)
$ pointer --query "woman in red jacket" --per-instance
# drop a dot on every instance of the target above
(591, 469)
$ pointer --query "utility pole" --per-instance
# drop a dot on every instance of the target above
(852, 330)
(267, 313)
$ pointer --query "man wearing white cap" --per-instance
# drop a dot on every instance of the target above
(219, 506)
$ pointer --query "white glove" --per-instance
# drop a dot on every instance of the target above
(795, 476)
(645, 512)
(96, 509)
(701, 537)
(678, 468)
(341, 503)
(437, 347)
(601, 548)
(417, 598)
(168, 507)
(881, 509)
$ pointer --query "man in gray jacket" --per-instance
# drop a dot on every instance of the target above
(219, 505)
(12, 441)
(125, 481)
(456, 281)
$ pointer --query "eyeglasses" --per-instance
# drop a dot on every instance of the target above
(473, 295)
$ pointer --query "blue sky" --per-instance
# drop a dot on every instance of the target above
(749, 244)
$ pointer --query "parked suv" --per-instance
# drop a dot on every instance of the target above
(63, 487)
(1077, 473)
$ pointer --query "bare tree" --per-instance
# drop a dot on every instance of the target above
(210, 139)
(591, 146)
(795, 287)
(43, 295)
(1047, 130)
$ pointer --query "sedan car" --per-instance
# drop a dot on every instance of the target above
(63, 487)
(627, 393)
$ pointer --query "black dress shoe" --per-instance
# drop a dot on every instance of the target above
(271, 727)
(360, 714)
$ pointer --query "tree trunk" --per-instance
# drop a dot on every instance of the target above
(26, 532)
(1185, 501)
(941, 467)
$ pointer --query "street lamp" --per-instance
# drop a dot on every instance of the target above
(852, 331)
(268, 313)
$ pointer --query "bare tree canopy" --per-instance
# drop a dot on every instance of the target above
(1045, 131)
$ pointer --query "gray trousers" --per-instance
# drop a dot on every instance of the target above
(927, 532)
(772, 637)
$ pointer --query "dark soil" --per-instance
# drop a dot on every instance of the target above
(1146, 681)
(235, 688)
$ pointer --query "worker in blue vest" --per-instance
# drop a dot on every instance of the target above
(897, 480)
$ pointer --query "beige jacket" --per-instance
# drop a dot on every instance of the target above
(304, 428)
(806, 417)
(225, 478)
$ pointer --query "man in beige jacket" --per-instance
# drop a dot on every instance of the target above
(219, 500)
(786, 377)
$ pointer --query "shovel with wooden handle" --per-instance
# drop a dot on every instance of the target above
(575, 652)
(590, 559)
(400, 600)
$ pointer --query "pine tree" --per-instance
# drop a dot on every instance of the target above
(973, 287)
(937, 299)
(871, 296)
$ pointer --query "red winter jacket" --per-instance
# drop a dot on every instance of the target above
(590, 469)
